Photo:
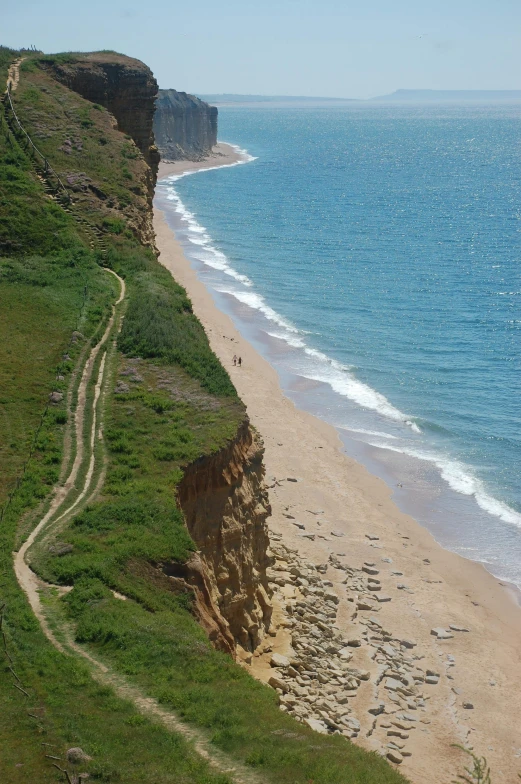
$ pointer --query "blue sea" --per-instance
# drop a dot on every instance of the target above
(371, 254)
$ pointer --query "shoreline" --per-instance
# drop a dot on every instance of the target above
(448, 590)
(222, 155)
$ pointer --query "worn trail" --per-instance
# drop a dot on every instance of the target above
(63, 503)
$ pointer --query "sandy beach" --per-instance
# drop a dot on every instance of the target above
(222, 155)
(337, 510)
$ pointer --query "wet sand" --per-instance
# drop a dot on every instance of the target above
(435, 588)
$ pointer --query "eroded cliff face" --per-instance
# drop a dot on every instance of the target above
(225, 504)
(124, 86)
(185, 128)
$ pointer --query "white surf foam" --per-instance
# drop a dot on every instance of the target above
(290, 339)
(459, 477)
(324, 368)
(346, 384)
(257, 302)
(245, 158)
(367, 432)
(197, 235)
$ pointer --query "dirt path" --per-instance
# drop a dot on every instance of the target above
(13, 75)
(27, 579)
(149, 707)
(59, 509)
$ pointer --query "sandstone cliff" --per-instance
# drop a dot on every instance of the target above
(225, 504)
(184, 126)
(124, 86)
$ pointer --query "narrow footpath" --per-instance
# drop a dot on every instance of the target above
(68, 497)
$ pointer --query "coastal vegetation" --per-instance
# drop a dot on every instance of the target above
(165, 401)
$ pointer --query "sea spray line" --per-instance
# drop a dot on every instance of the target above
(213, 257)
(364, 432)
(459, 478)
(257, 302)
(247, 158)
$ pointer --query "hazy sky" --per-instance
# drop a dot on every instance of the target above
(344, 48)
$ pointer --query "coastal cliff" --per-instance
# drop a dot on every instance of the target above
(222, 494)
(123, 85)
(225, 504)
(185, 128)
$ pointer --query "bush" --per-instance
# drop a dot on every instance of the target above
(160, 324)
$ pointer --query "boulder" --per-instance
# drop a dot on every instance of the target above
(331, 596)
(278, 660)
(76, 755)
(393, 684)
(316, 725)
(361, 675)
(278, 683)
(441, 634)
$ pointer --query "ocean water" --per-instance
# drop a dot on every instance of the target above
(372, 255)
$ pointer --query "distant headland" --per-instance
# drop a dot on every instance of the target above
(451, 96)
(398, 96)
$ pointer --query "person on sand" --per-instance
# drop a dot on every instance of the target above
(239, 361)
(235, 359)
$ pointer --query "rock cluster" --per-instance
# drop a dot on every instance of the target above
(316, 680)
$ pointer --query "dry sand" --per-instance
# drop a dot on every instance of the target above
(222, 155)
(442, 588)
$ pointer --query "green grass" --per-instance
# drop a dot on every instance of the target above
(83, 147)
(163, 422)
(168, 656)
(43, 301)
(29, 222)
(160, 324)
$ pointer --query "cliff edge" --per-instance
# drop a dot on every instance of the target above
(225, 505)
(123, 85)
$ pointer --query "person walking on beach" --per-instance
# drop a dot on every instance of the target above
(239, 361)
(235, 359)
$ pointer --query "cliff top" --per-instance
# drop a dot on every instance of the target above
(103, 56)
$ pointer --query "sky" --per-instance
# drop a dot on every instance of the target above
(337, 48)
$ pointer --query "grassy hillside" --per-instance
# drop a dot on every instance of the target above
(166, 401)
